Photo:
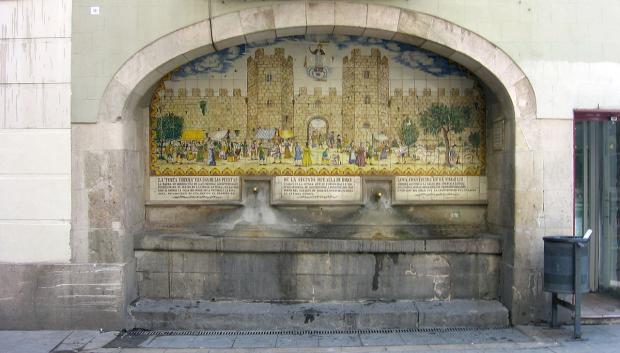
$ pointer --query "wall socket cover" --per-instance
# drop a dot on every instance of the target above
(94, 10)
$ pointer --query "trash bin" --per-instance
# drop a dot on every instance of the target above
(560, 264)
(566, 269)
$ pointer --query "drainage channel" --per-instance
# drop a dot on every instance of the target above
(145, 332)
(298, 338)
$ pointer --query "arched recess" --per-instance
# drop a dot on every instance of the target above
(111, 151)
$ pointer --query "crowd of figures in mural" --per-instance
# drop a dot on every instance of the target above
(349, 106)
(325, 150)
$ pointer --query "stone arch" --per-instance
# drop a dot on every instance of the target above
(491, 64)
(116, 141)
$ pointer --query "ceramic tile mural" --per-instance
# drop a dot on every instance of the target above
(349, 106)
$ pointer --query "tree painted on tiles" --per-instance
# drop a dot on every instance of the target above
(474, 140)
(440, 119)
(169, 128)
(409, 134)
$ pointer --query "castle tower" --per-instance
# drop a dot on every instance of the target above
(270, 91)
(403, 106)
(365, 94)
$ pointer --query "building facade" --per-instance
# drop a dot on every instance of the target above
(76, 91)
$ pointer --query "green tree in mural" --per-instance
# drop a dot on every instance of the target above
(474, 140)
(442, 119)
(169, 127)
(409, 134)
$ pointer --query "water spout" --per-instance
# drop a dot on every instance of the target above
(255, 218)
(257, 210)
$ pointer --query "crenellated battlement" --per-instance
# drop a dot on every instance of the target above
(357, 52)
(358, 59)
(439, 92)
(201, 92)
(318, 92)
(365, 106)
(277, 58)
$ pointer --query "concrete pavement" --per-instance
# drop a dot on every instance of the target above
(597, 338)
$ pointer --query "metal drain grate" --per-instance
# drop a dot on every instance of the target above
(145, 332)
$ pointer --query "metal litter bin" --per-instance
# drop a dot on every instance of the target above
(560, 264)
(566, 268)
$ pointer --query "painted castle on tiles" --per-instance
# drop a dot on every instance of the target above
(326, 106)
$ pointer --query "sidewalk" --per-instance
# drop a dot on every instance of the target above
(597, 338)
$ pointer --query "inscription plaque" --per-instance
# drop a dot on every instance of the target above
(196, 188)
(317, 189)
(440, 188)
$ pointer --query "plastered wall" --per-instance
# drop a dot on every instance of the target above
(35, 135)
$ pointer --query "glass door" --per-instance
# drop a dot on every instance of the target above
(597, 199)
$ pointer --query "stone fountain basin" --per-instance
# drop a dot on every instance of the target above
(184, 264)
(254, 239)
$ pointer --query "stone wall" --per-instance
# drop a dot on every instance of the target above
(317, 270)
(222, 112)
(65, 296)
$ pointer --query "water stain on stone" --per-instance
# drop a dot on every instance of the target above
(378, 268)
(394, 258)
(310, 314)
(379, 258)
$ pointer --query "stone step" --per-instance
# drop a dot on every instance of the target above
(173, 314)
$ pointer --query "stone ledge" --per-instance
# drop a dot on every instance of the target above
(316, 276)
(462, 313)
(239, 315)
(190, 241)
(65, 295)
